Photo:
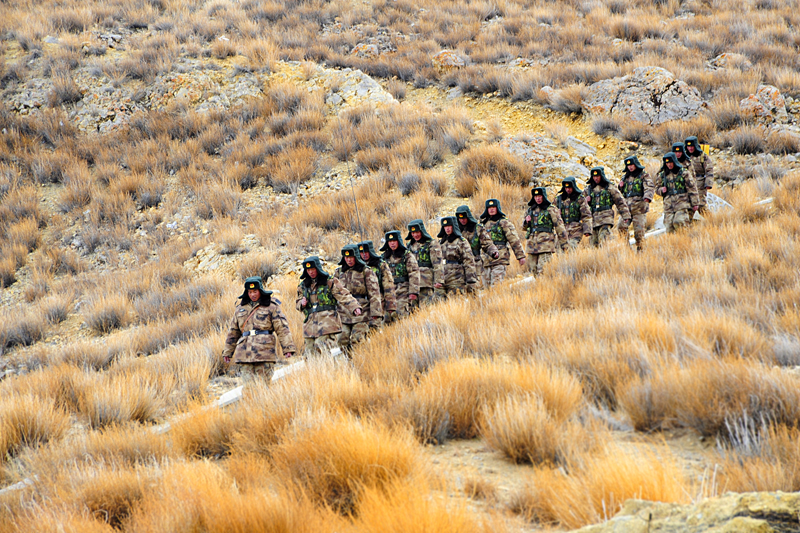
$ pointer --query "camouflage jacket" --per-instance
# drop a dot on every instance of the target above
(386, 283)
(479, 240)
(703, 171)
(322, 317)
(601, 201)
(364, 287)
(262, 325)
(637, 190)
(404, 271)
(681, 190)
(575, 214)
(459, 268)
(544, 229)
(429, 261)
(503, 233)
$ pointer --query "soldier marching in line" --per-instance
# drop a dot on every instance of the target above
(703, 170)
(459, 268)
(318, 297)
(503, 234)
(362, 283)
(257, 321)
(429, 260)
(477, 237)
(404, 271)
(543, 227)
(385, 282)
(602, 196)
(575, 212)
(637, 187)
(678, 188)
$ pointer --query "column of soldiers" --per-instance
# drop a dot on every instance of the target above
(369, 289)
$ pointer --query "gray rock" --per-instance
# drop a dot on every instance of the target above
(50, 40)
(651, 95)
(579, 147)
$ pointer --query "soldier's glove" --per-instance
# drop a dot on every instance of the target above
(288, 355)
(226, 358)
(393, 317)
(496, 255)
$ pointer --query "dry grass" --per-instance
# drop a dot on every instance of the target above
(105, 313)
(29, 421)
(763, 462)
(493, 162)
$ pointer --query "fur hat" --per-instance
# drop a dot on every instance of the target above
(251, 283)
(463, 211)
(418, 225)
(351, 250)
(453, 223)
(598, 171)
(314, 262)
(543, 192)
(492, 202)
(393, 235)
(570, 180)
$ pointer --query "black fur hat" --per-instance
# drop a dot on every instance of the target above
(314, 262)
(418, 225)
(463, 211)
(570, 180)
(351, 250)
(255, 282)
(492, 202)
(452, 222)
(368, 247)
(393, 235)
(543, 192)
(633, 160)
(670, 156)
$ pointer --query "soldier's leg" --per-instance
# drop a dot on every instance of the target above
(358, 333)
(375, 323)
(497, 274)
(601, 234)
(344, 338)
(479, 270)
(533, 263)
(543, 259)
(681, 218)
(639, 221)
(325, 343)
(669, 217)
(308, 347)
(595, 234)
(623, 228)
(250, 371)
(401, 297)
(425, 295)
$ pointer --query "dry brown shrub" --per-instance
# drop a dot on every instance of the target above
(107, 312)
(493, 162)
(79, 188)
(204, 432)
(218, 200)
(120, 399)
(27, 421)
(568, 100)
(229, 237)
(292, 168)
(24, 232)
(65, 90)
(21, 327)
(764, 459)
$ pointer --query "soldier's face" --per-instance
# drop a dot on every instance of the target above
(417, 235)
(462, 220)
(568, 189)
(631, 167)
(393, 245)
(538, 199)
(364, 256)
(312, 272)
(596, 178)
(448, 230)
(670, 164)
(350, 260)
(679, 153)
(254, 294)
(492, 211)
(690, 148)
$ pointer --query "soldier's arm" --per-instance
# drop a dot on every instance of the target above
(649, 186)
(280, 325)
(487, 244)
(233, 336)
(469, 264)
(525, 222)
(413, 274)
(389, 297)
(373, 293)
(586, 215)
(299, 298)
(343, 296)
(660, 183)
(708, 167)
(619, 201)
(436, 260)
(513, 238)
(561, 230)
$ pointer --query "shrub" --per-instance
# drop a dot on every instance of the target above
(568, 100)
(218, 199)
(494, 162)
(747, 140)
(25, 233)
(57, 307)
(107, 312)
(111, 495)
(783, 143)
(726, 114)
(264, 264)
(29, 421)
(229, 239)
(203, 432)
(65, 91)
(19, 328)
(297, 165)
(397, 89)
(606, 125)
(120, 399)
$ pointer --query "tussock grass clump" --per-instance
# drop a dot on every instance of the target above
(123, 398)
(490, 162)
(763, 459)
(746, 140)
(21, 328)
(606, 125)
(568, 100)
(26, 420)
(264, 264)
(107, 312)
(597, 491)
(335, 459)
(204, 432)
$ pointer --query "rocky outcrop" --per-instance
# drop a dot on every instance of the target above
(348, 88)
(755, 512)
(766, 107)
(651, 95)
(550, 163)
(447, 60)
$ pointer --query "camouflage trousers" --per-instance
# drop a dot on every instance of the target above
(321, 345)
(494, 275)
(376, 323)
(677, 219)
(352, 334)
(638, 222)
(536, 262)
(600, 234)
(429, 295)
(401, 297)
(479, 268)
(251, 371)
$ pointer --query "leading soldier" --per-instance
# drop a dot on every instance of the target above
(459, 268)
(543, 227)
(703, 170)
(503, 234)
(404, 271)
(677, 187)
(362, 283)
(428, 254)
(575, 212)
(637, 188)
(602, 196)
(318, 297)
(385, 282)
(477, 237)
(257, 321)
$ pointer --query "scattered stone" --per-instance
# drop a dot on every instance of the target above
(729, 60)
(447, 60)
(651, 95)
(580, 148)
(50, 40)
(767, 106)
(366, 50)
(550, 165)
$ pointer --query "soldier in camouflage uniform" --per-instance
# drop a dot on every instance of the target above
(543, 228)
(385, 282)
(429, 260)
(703, 170)
(677, 187)
(459, 268)
(362, 283)
(503, 234)
(477, 237)
(602, 196)
(637, 188)
(404, 271)
(258, 319)
(575, 212)
(318, 297)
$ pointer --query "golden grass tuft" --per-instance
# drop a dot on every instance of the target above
(494, 162)
(26, 421)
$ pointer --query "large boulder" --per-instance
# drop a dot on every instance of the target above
(756, 512)
(767, 106)
(651, 95)
(550, 163)
(447, 60)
